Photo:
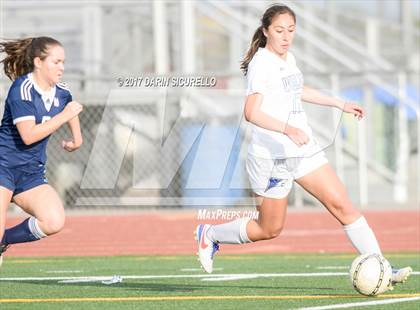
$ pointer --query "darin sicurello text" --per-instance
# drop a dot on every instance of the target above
(220, 214)
(165, 81)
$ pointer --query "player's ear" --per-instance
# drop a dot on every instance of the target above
(37, 62)
(264, 31)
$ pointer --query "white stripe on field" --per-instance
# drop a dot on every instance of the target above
(363, 304)
(176, 276)
(86, 280)
(264, 275)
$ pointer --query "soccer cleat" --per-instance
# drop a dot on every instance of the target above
(3, 248)
(206, 248)
(400, 275)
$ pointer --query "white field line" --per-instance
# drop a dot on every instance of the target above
(176, 276)
(184, 276)
(362, 304)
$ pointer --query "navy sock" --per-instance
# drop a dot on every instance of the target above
(19, 234)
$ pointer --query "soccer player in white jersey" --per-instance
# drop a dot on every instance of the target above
(37, 104)
(283, 149)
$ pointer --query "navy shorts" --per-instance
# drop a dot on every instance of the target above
(19, 181)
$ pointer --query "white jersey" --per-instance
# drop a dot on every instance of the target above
(281, 84)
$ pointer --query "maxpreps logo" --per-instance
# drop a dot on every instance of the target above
(219, 214)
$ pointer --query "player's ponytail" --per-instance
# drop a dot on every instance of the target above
(259, 39)
(20, 54)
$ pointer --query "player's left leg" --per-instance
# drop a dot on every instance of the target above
(324, 184)
(46, 208)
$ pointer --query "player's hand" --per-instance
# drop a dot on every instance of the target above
(298, 136)
(73, 109)
(69, 146)
(355, 109)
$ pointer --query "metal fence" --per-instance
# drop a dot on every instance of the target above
(186, 146)
(178, 146)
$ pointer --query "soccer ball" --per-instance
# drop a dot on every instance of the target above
(371, 274)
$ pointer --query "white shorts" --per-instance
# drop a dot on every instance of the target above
(273, 178)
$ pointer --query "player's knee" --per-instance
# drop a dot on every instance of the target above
(54, 224)
(272, 232)
(339, 205)
(343, 209)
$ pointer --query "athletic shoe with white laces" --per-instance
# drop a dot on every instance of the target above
(400, 275)
(206, 247)
(3, 248)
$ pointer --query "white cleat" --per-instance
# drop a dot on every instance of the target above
(400, 275)
(206, 248)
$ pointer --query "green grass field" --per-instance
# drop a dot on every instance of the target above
(278, 281)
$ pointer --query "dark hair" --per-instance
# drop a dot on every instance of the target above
(259, 39)
(20, 54)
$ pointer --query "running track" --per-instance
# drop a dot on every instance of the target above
(171, 233)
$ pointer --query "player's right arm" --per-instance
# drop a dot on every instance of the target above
(254, 115)
(30, 132)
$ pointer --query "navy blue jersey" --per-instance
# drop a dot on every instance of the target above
(26, 101)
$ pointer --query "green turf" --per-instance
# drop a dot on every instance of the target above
(330, 289)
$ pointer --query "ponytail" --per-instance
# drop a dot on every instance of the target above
(258, 40)
(16, 62)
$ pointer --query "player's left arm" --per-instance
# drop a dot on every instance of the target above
(76, 142)
(314, 96)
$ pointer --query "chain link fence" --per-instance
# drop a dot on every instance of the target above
(186, 147)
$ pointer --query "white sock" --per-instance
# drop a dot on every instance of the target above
(362, 236)
(35, 229)
(230, 233)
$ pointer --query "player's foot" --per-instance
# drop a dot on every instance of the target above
(206, 247)
(3, 248)
(400, 275)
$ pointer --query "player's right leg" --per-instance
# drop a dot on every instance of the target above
(5, 198)
(271, 218)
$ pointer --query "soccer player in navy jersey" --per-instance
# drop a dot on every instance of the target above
(37, 104)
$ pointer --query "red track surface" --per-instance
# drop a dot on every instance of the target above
(172, 233)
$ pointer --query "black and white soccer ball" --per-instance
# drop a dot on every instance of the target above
(371, 274)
